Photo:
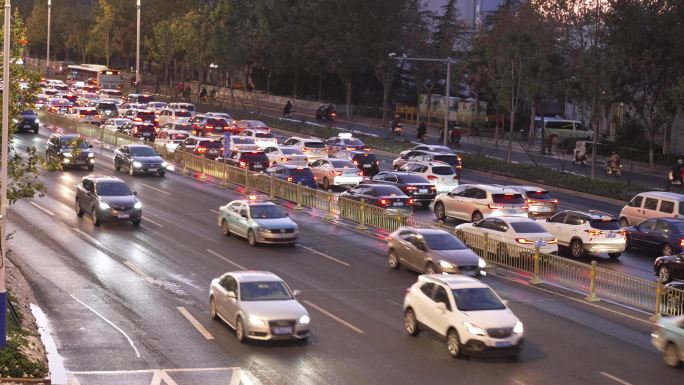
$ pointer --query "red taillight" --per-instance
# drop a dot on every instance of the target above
(494, 206)
(243, 164)
(289, 179)
(411, 187)
(201, 150)
(384, 202)
(210, 127)
(593, 233)
(554, 201)
(304, 149)
(351, 148)
(455, 177)
(356, 163)
(360, 173)
(135, 130)
(410, 201)
(552, 241)
(137, 119)
(156, 120)
(524, 241)
(337, 173)
(432, 177)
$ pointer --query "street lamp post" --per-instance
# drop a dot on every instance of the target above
(3, 171)
(448, 89)
(137, 49)
(385, 92)
(47, 57)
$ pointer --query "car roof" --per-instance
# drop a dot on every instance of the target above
(294, 166)
(494, 188)
(453, 281)
(254, 276)
(515, 219)
(307, 139)
(662, 194)
(423, 230)
(527, 188)
(254, 202)
(104, 178)
(138, 146)
(593, 214)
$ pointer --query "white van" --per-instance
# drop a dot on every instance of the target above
(562, 129)
(652, 204)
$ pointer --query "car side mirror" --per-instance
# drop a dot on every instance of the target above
(441, 306)
(231, 294)
(90, 146)
(135, 193)
(296, 293)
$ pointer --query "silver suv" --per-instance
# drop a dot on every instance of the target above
(474, 202)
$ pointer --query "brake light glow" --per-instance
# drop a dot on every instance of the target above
(156, 120)
(360, 173)
(356, 163)
(289, 179)
(554, 201)
(552, 241)
(137, 119)
(304, 149)
(243, 164)
(210, 127)
(593, 233)
(411, 187)
(337, 173)
(432, 177)
(384, 202)
(494, 206)
(201, 150)
(410, 201)
(524, 241)
(284, 159)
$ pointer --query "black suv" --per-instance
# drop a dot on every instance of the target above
(70, 150)
(366, 162)
(250, 159)
(139, 158)
(145, 131)
(27, 121)
(107, 199)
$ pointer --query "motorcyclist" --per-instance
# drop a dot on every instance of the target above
(287, 110)
(614, 163)
(580, 152)
(330, 112)
(395, 125)
(676, 172)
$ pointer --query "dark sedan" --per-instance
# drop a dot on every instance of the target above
(385, 196)
(145, 131)
(366, 162)
(669, 267)
(107, 199)
(413, 185)
(294, 174)
(660, 235)
(27, 121)
(138, 158)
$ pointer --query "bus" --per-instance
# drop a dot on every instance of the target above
(95, 74)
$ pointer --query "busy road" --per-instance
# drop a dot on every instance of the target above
(122, 299)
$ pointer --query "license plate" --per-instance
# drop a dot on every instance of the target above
(366, 166)
(213, 151)
(544, 209)
(610, 235)
(503, 344)
(123, 216)
(152, 169)
(146, 134)
(510, 211)
(282, 330)
(80, 162)
(423, 191)
(398, 203)
(257, 166)
(27, 126)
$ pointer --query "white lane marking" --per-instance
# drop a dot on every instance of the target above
(156, 189)
(140, 272)
(616, 379)
(393, 302)
(214, 211)
(326, 256)
(55, 361)
(200, 328)
(239, 266)
(147, 219)
(160, 375)
(152, 370)
(41, 208)
(87, 236)
(130, 341)
(236, 377)
(333, 316)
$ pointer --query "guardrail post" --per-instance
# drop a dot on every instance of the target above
(535, 269)
(246, 180)
(362, 221)
(659, 300)
(592, 297)
(271, 189)
(202, 175)
(328, 214)
(485, 246)
(400, 219)
(299, 206)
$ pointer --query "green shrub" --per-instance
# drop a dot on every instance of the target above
(13, 363)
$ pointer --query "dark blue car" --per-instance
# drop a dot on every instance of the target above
(293, 173)
(664, 236)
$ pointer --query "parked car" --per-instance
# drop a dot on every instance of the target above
(27, 121)
(365, 161)
(415, 186)
(540, 203)
(139, 158)
(652, 204)
(344, 141)
(669, 267)
(258, 305)
(513, 236)
(258, 222)
(668, 337)
(465, 312)
(294, 174)
(387, 197)
(438, 174)
(431, 251)
(473, 202)
(587, 232)
(657, 235)
(107, 199)
(70, 150)
(286, 155)
(336, 172)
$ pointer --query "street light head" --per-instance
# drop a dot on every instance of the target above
(49, 3)
(137, 2)
(392, 54)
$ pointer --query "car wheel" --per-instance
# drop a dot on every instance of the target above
(251, 238)
(96, 218)
(666, 250)
(91, 167)
(131, 170)
(576, 248)
(117, 167)
(614, 255)
(392, 260)
(162, 174)
(136, 222)
(47, 156)
(440, 212)
(429, 269)
(628, 244)
(453, 344)
(411, 323)
(35, 130)
(425, 204)
(212, 308)
(664, 274)
(225, 228)
(326, 184)
(624, 222)
(476, 217)
(239, 330)
(670, 356)
(79, 210)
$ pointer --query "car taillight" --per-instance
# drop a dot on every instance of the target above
(355, 163)
(201, 149)
(681, 242)
(337, 173)
(156, 120)
(359, 173)
(284, 159)
(552, 241)
(525, 207)
(210, 127)
(530, 201)
(351, 148)
(410, 201)
(624, 233)
(384, 202)
(524, 241)
(554, 201)
(411, 187)
(137, 119)
(289, 179)
(593, 233)
(494, 206)
(135, 130)
(304, 149)
(243, 164)
(432, 177)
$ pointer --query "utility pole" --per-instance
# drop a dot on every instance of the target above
(3, 171)
(47, 57)
(137, 49)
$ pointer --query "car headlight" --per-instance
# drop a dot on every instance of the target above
(481, 263)
(37, 121)
(256, 321)
(137, 205)
(91, 155)
(518, 329)
(137, 164)
(164, 164)
(15, 120)
(304, 320)
(67, 154)
(104, 205)
(445, 265)
(472, 329)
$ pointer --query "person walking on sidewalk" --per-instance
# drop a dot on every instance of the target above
(287, 110)
(421, 131)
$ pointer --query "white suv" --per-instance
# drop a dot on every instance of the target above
(466, 312)
(587, 232)
(439, 174)
(474, 202)
(313, 148)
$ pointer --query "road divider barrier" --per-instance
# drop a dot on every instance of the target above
(595, 282)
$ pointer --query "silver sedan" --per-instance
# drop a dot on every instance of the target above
(258, 305)
(336, 172)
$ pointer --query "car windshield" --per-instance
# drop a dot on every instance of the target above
(443, 170)
(477, 298)
(412, 178)
(182, 126)
(607, 224)
(106, 106)
(301, 172)
(527, 227)
(264, 291)
(387, 191)
(113, 189)
(216, 121)
(508, 199)
(183, 113)
(365, 158)
(73, 143)
(143, 151)
(255, 156)
(144, 99)
(679, 226)
(28, 113)
(451, 160)
(266, 212)
(210, 144)
(353, 142)
(340, 163)
(539, 195)
(314, 144)
(443, 242)
(87, 112)
(146, 115)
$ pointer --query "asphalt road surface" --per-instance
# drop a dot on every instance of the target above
(118, 300)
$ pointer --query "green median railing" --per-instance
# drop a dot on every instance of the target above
(597, 283)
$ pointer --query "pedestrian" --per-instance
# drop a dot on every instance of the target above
(287, 109)
(203, 94)
(421, 131)
(455, 136)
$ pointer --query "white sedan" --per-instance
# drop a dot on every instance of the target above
(258, 305)
(286, 155)
(115, 124)
(262, 138)
(513, 235)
